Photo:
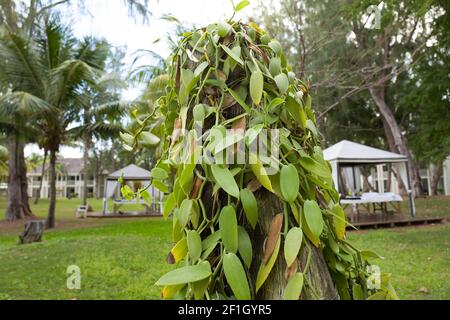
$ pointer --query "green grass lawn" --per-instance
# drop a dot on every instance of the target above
(122, 258)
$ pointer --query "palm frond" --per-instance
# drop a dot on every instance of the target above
(23, 104)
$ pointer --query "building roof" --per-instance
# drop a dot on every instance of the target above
(131, 172)
(352, 152)
(66, 165)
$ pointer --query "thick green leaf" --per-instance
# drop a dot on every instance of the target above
(225, 180)
(184, 213)
(245, 246)
(223, 29)
(313, 217)
(169, 205)
(357, 292)
(250, 206)
(147, 197)
(289, 183)
(275, 103)
(241, 5)
(296, 111)
(292, 244)
(186, 275)
(256, 86)
(210, 243)
(239, 100)
(275, 46)
(294, 287)
(232, 54)
(194, 243)
(264, 269)
(229, 228)
(200, 68)
(200, 287)
(282, 82)
(236, 277)
(275, 66)
(159, 174)
(339, 222)
(127, 138)
(180, 250)
(260, 172)
(148, 139)
(314, 167)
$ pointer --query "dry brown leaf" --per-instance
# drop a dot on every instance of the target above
(176, 131)
(170, 258)
(272, 236)
(291, 270)
(253, 185)
(196, 188)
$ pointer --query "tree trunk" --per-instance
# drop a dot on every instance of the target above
(395, 138)
(18, 207)
(38, 195)
(24, 181)
(85, 168)
(437, 172)
(317, 274)
(50, 223)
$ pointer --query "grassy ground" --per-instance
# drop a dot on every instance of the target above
(122, 258)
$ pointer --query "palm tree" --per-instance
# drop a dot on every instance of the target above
(55, 68)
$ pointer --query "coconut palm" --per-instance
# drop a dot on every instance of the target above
(54, 68)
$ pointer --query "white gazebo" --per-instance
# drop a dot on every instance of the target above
(346, 159)
(135, 177)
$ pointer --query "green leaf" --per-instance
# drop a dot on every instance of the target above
(296, 111)
(180, 250)
(127, 193)
(194, 243)
(256, 86)
(339, 222)
(159, 174)
(236, 277)
(314, 167)
(169, 204)
(313, 217)
(370, 254)
(149, 139)
(229, 228)
(184, 213)
(294, 287)
(239, 100)
(264, 269)
(127, 138)
(275, 66)
(225, 180)
(357, 292)
(241, 5)
(209, 244)
(199, 112)
(223, 29)
(147, 197)
(186, 275)
(200, 287)
(200, 68)
(292, 244)
(275, 46)
(282, 82)
(289, 183)
(232, 54)
(245, 246)
(250, 206)
(260, 172)
(275, 103)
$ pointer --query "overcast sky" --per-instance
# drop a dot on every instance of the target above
(109, 19)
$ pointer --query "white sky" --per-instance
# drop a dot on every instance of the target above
(109, 19)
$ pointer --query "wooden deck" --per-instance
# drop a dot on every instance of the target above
(135, 214)
(389, 220)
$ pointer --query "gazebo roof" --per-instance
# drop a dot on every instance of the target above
(351, 152)
(131, 172)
